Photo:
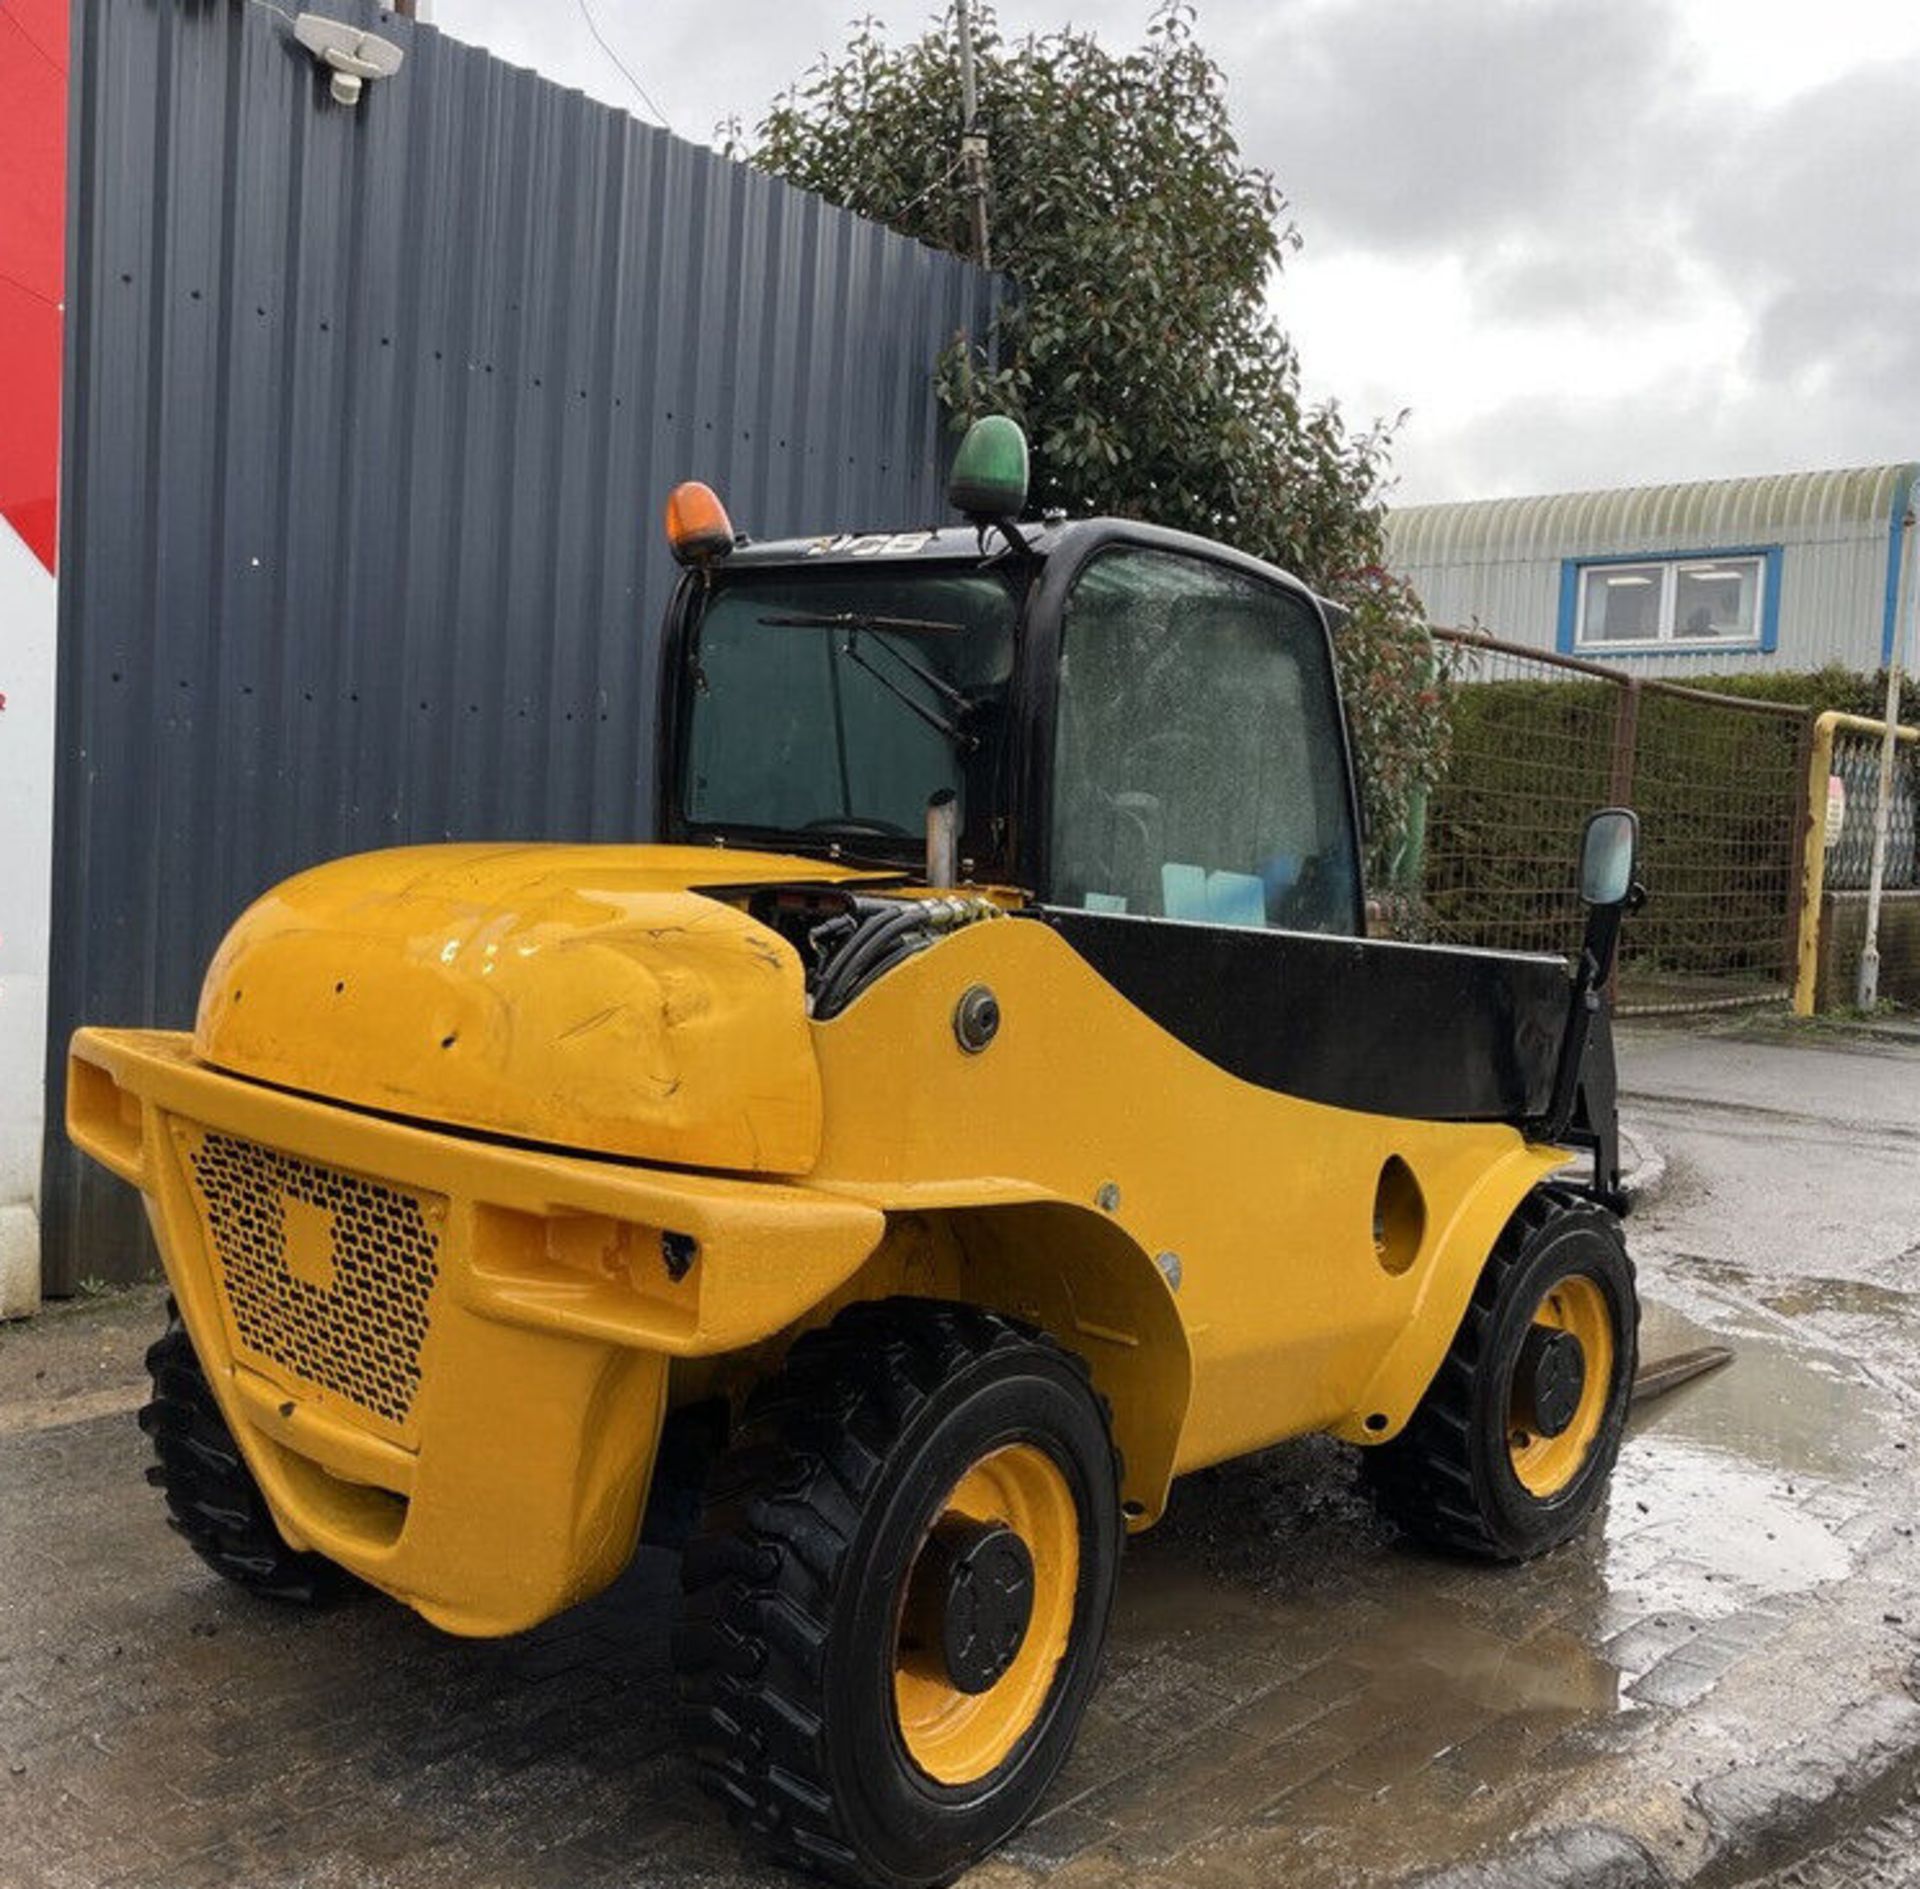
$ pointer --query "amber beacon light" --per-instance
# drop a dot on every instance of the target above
(698, 527)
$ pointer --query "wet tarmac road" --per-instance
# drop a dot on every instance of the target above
(1292, 1695)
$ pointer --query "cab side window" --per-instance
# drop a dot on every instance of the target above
(1199, 771)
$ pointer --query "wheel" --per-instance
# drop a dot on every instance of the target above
(1510, 1450)
(212, 1498)
(895, 1606)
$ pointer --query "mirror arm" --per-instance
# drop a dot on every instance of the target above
(1597, 952)
(1586, 1002)
(1008, 530)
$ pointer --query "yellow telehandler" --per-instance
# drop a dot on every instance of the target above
(980, 1106)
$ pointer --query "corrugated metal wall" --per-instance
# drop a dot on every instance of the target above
(369, 419)
(1497, 561)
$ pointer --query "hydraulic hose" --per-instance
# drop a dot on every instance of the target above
(874, 936)
(896, 930)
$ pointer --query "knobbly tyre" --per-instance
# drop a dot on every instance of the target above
(979, 1107)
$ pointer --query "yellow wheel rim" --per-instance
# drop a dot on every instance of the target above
(1546, 1465)
(957, 1737)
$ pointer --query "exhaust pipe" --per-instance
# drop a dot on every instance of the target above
(943, 839)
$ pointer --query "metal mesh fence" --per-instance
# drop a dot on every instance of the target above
(1856, 766)
(1538, 743)
(1531, 756)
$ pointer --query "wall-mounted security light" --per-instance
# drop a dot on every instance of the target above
(353, 57)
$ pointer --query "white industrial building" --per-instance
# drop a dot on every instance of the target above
(1790, 572)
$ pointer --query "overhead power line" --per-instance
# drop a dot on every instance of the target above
(625, 70)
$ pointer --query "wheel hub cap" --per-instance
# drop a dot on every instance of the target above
(986, 1614)
(974, 1595)
(1551, 1377)
(1562, 1385)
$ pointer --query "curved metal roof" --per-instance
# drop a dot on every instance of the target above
(1779, 508)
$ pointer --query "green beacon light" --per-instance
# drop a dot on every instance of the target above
(989, 478)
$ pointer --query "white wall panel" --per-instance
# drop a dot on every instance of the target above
(26, 840)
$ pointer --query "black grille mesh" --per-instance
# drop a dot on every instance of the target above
(358, 1335)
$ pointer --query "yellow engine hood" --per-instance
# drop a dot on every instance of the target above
(584, 996)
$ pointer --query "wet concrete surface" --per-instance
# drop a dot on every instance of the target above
(1292, 1695)
(1877, 1853)
(76, 1359)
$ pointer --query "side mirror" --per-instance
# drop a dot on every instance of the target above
(1607, 857)
(1608, 854)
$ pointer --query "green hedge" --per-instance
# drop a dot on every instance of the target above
(1717, 792)
(1527, 762)
(1820, 689)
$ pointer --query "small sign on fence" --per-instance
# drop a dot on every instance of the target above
(1836, 810)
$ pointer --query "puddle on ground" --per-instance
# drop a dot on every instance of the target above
(1732, 1492)
(1690, 1530)
(1553, 1671)
(1320, 1702)
(1816, 1306)
(1850, 1298)
(1774, 1408)
(1734, 1487)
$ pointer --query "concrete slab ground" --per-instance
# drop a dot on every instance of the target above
(1716, 1686)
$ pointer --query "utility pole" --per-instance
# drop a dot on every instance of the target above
(1867, 989)
(973, 142)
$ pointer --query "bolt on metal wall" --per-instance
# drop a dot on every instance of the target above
(369, 417)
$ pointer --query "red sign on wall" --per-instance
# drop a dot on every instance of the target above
(33, 162)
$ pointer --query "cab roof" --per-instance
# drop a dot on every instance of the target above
(926, 545)
(1045, 538)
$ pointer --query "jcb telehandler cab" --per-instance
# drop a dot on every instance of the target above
(979, 1107)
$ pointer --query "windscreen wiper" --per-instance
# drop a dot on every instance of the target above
(862, 620)
(857, 622)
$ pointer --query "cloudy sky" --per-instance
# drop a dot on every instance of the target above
(1582, 242)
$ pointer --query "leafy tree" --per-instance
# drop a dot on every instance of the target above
(1139, 351)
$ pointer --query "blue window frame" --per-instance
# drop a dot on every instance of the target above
(1661, 603)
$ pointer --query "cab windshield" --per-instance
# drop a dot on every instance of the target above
(832, 702)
